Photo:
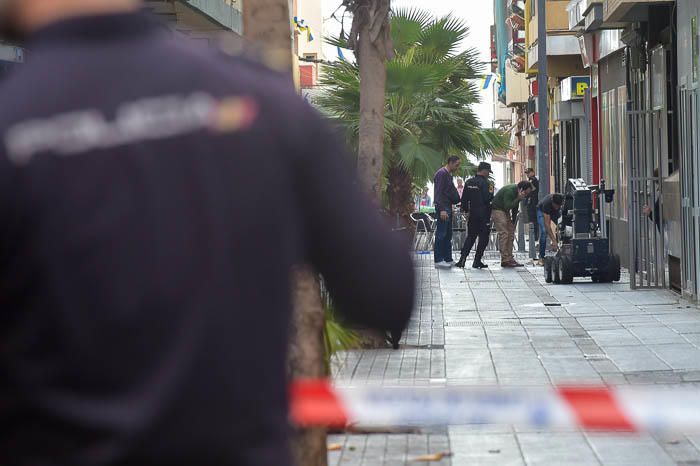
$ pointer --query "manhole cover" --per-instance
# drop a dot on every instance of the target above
(483, 323)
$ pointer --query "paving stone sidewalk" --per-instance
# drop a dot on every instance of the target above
(507, 327)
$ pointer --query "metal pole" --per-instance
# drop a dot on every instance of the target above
(542, 100)
(531, 238)
(521, 227)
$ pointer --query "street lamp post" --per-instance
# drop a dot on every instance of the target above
(542, 100)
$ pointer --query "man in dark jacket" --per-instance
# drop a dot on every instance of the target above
(141, 322)
(446, 196)
(476, 200)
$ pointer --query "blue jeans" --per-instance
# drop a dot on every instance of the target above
(543, 233)
(443, 239)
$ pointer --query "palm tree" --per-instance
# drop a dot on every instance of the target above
(430, 95)
(370, 39)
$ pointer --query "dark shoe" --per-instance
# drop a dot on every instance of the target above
(479, 265)
(461, 263)
(511, 264)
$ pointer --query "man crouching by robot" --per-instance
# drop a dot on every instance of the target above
(548, 212)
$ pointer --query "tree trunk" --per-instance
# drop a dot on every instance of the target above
(371, 57)
(268, 24)
(400, 193)
(306, 359)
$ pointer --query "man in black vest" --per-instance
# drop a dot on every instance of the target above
(476, 199)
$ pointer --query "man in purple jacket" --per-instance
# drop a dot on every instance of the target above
(140, 321)
(446, 196)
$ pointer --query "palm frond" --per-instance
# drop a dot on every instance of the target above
(442, 37)
(413, 78)
(337, 337)
(412, 151)
(407, 24)
(431, 94)
(338, 41)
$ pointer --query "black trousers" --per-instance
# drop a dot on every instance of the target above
(477, 228)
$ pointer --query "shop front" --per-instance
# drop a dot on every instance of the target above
(688, 53)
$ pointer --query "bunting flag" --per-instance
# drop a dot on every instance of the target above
(301, 26)
(489, 79)
(340, 54)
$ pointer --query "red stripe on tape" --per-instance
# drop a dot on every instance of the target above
(596, 408)
(315, 403)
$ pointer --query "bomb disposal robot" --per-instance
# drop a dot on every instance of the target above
(584, 249)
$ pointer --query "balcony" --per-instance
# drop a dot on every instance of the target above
(577, 19)
(594, 16)
(225, 12)
(563, 57)
(200, 16)
(585, 15)
(557, 20)
(517, 89)
(619, 12)
(502, 115)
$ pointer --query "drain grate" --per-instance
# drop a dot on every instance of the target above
(430, 347)
(596, 357)
(483, 323)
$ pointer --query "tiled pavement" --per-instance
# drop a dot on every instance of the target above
(508, 327)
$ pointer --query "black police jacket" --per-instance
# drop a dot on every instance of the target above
(476, 197)
(145, 255)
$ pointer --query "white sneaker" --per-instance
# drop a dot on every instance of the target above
(443, 265)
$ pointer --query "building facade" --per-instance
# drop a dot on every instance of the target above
(685, 204)
(624, 94)
(307, 20)
(511, 93)
(200, 19)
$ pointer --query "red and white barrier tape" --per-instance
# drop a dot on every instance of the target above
(620, 408)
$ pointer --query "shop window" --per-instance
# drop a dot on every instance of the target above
(606, 142)
(614, 148)
(622, 152)
(694, 46)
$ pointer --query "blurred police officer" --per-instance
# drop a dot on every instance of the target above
(141, 322)
(476, 199)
